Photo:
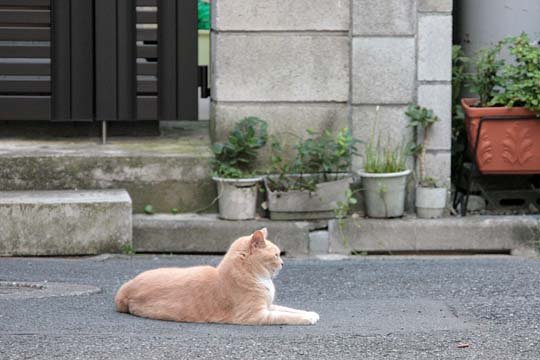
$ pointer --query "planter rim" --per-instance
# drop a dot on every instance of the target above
(346, 176)
(383, 175)
(472, 111)
(431, 187)
(238, 181)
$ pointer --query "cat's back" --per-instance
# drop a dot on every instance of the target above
(173, 279)
(169, 293)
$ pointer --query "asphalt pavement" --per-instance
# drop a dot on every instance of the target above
(476, 307)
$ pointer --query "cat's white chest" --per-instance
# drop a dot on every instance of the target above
(269, 285)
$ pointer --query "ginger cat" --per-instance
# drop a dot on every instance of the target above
(239, 291)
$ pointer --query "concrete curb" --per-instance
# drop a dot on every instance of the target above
(518, 235)
(192, 233)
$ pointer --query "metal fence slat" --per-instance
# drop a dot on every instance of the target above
(127, 57)
(61, 60)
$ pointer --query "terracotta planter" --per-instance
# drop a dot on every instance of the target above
(505, 146)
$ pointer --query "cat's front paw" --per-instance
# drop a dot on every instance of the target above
(312, 317)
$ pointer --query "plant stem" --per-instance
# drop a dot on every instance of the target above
(423, 154)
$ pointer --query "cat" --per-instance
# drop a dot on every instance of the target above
(239, 291)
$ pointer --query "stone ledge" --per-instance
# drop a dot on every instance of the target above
(518, 235)
(192, 233)
(165, 172)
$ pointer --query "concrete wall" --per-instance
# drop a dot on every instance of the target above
(329, 63)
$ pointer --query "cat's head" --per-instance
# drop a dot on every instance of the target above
(260, 255)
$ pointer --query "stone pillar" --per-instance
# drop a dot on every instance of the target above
(401, 54)
(434, 81)
(286, 62)
(383, 68)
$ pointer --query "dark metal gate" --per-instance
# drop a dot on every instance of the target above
(98, 60)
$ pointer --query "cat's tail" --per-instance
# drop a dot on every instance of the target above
(121, 299)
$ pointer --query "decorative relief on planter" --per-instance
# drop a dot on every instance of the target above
(506, 145)
(518, 144)
(485, 150)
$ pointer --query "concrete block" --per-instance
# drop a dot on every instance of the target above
(435, 47)
(383, 70)
(64, 222)
(476, 203)
(389, 17)
(438, 98)
(471, 233)
(191, 233)
(318, 242)
(284, 118)
(435, 5)
(390, 123)
(279, 15)
(280, 67)
(438, 166)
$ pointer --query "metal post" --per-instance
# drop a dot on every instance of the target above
(104, 132)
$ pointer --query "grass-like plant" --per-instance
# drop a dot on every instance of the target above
(384, 157)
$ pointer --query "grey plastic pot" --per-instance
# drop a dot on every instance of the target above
(237, 198)
(430, 202)
(384, 194)
(308, 205)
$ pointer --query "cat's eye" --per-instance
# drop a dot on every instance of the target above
(277, 255)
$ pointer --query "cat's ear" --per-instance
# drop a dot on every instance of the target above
(265, 233)
(257, 240)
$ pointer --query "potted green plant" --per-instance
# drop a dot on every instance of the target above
(430, 198)
(233, 169)
(315, 181)
(384, 176)
(507, 91)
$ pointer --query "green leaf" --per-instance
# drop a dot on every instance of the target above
(149, 209)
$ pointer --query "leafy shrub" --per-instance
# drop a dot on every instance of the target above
(423, 118)
(321, 155)
(235, 158)
(519, 82)
(516, 83)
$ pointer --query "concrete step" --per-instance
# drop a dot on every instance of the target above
(191, 233)
(64, 222)
(519, 235)
(164, 172)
